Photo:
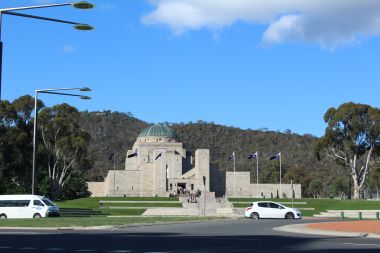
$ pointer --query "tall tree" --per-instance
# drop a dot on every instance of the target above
(352, 139)
(16, 134)
(65, 142)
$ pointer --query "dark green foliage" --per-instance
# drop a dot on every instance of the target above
(75, 187)
(16, 133)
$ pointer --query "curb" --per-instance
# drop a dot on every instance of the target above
(57, 228)
(109, 227)
(303, 229)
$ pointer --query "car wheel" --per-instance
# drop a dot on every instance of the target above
(289, 216)
(3, 216)
(255, 216)
(36, 216)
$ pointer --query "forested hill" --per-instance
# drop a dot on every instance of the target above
(116, 132)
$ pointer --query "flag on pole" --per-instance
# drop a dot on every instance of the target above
(276, 156)
(252, 156)
(132, 155)
(231, 156)
(158, 156)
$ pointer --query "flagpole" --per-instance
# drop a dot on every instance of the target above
(257, 174)
(233, 154)
(161, 175)
(114, 175)
(280, 178)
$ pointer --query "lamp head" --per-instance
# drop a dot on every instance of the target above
(85, 97)
(85, 89)
(83, 5)
(83, 27)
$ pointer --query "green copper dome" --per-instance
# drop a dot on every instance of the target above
(159, 130)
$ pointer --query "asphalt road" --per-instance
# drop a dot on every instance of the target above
(214, 236)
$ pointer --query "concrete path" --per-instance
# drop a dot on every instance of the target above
(333, 229)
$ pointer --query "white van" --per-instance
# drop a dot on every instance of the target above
(26, 206)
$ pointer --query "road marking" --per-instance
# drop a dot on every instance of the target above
(54, 249)
(28, 248)
(119, 251)
(5, 247)
(362, 244)
(85, 250)
(156, 252)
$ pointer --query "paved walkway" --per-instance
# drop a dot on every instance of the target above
(363, 228)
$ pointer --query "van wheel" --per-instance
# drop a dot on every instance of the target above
(255, 216)
(289, 216)
(3, 216)
(36, 216)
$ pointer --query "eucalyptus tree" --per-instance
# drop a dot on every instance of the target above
(65, 142)
(352, 139)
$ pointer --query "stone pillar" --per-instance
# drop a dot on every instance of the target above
(202, 166)
(160, 172)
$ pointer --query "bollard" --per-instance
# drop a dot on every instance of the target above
(360, 216)
(342, 215)
(377, 215)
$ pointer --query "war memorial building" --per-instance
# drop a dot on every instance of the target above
(158, 165)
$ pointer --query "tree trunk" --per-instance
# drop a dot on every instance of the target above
(55, 189)
(356, 189)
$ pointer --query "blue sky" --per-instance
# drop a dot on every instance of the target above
(247, 64)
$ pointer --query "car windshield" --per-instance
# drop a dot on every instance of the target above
(48, 202)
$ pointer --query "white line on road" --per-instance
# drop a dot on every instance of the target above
(155, 252)
(362, 244)
(85, 250)
(54, 249)
(5, 247)
(119, 251)
(28, 248)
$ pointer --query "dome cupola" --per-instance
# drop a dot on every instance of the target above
(158, 132)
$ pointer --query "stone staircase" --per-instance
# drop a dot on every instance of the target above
(214, 207)
(186, 204)
(209, 202)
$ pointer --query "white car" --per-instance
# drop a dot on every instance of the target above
(267, 209)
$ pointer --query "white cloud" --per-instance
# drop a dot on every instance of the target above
(68, 48)
(331, 23)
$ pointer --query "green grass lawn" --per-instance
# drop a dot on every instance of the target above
(320, 205)
(93, 221)
(94, 202)
(136, 208)
(142, 204)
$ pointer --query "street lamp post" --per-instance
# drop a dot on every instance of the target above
(10, 11)
(54, 92)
